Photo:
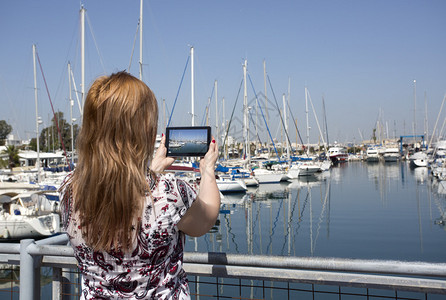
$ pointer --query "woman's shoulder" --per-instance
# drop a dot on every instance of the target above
(168, 182)
(169, 196)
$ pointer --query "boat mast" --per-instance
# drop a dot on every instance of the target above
(192, 87)
(414, 109)
(83, 10)
(426, 124)
(224, 129)
(207, 111)
(286, 127)
(286, 119)
(216, 111)
(306, 116)
(245, 112)
(257, 140)
(37, 116)
(326, 125)
(436, 123)
(164, 113)
(71, 112)
(140, 40)
(266, 98)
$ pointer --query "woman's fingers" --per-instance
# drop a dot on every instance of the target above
(160, 161)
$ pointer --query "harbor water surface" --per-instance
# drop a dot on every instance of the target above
(355, 210)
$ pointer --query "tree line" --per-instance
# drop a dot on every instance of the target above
(49, 139)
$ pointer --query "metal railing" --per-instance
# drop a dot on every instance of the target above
(240, 272)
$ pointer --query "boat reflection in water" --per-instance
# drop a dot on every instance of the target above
(421, 174)
(355, 211)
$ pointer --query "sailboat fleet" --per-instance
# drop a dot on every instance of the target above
(31, 210)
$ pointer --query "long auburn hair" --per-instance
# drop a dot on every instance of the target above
(114, 146)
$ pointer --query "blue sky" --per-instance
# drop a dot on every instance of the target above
(361, 56)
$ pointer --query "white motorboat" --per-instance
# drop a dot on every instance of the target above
(21, 218)
(338, 154)
(418, 159)
(372, 154)
(391, 155)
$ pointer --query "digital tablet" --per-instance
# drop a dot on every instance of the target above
(188, 141)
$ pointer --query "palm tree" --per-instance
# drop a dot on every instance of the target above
(13, 156)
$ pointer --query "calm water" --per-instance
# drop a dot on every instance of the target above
(356, 210)
(190, 147)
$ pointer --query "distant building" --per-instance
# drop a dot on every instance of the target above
(3, 155)
(11, 141)
(29, 158)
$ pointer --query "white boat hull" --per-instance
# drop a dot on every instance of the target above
(418, 159)
(338, 154)
(372, 159)
(419, 163)
(267, 176)
(20, 227)
(391, 158)
(231, 186)
(308, 169)
(293, 172)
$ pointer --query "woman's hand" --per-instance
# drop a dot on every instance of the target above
(160, 161)
(207, 163)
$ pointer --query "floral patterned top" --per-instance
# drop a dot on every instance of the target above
(154, 269)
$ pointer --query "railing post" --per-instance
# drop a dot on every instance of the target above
(57, 284)
(27, 272)
(61, 284)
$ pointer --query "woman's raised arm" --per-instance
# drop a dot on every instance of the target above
(203, 213)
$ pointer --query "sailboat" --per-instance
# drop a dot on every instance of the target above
(267, 176)
(261, 174)
(308, 166)
(23, 216)
(226, 184)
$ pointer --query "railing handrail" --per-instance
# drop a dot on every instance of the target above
(321, 263)
(45, 248)
(331, 271)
